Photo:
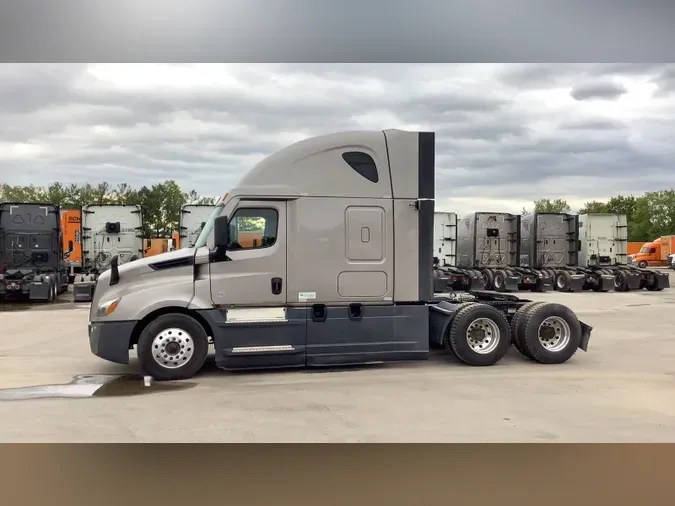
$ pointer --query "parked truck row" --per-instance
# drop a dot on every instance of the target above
(320, 256)
(44, 248)
(538, 252)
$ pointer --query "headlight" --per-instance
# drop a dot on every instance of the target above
(106, 308)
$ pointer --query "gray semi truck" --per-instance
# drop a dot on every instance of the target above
(340, 272)
(107, 231)
(585, 252)
(32, 264)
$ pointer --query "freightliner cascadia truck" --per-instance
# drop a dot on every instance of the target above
(342, 274)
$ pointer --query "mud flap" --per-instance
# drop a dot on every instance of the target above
(544, 284)
(83, 292)
(606, 282)
(477, 283)
(633, 280)
(662, 280)
(39, 290)
(577, 282)
(585, 336)
(511, 283)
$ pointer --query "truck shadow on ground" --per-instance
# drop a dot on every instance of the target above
(211, 370)
(85, 386)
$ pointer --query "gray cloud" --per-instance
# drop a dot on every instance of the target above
(508, 133)
(603, 90)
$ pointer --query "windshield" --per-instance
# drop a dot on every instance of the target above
(208, 226)
(644, 249)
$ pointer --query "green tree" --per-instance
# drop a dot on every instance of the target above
(594, 206)
(653, 216)
(31, 193)
(551, 206)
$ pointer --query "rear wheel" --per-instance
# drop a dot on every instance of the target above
(563, 281)
(173, 346)
(488, 277)
(516, 327)
(499, 281)
(550, 333)
(620, 281)
(479, 335)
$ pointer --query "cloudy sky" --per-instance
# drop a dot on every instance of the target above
(506, 134)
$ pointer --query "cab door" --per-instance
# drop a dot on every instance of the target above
(249, 288)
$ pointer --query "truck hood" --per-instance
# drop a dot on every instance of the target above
(142, 265)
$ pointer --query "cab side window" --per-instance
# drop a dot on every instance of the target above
(253, 228)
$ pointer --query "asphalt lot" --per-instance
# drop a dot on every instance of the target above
(621, 390)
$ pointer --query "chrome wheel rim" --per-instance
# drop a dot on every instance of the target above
(554, 334)
(617, 281)
(560, 282)
(483, 336)
(172, 348)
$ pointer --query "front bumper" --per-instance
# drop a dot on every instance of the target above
(110, 340)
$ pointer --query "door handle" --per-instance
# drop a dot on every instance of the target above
(277, 283)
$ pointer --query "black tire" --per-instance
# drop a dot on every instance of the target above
(446, 340)
(516, 327)
(530, 326)
(642, 264)
(489, 279)
(620, 281)
(180, 322)
(563, 281)
(461, 323)
(552, 275)
(499, 280)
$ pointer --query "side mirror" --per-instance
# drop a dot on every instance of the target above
(221, 232)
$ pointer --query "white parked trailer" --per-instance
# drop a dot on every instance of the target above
(192, 219)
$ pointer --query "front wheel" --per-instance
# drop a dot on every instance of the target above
(642, 264)
(173, 346)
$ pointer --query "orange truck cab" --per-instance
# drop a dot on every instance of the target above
(655, 253)
(72, 244)
(158, 245)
